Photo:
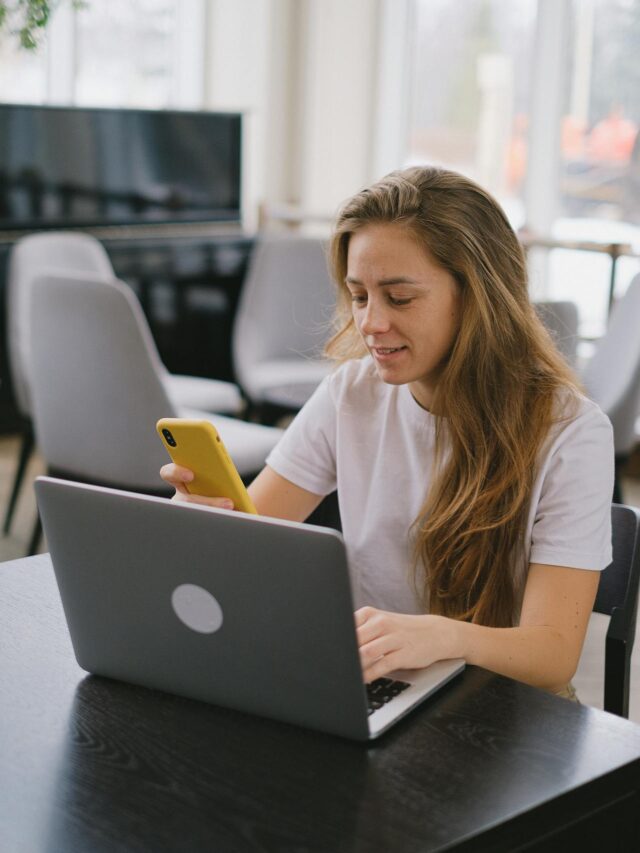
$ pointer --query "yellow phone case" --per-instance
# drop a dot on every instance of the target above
(196, 445)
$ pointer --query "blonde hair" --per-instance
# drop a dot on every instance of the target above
(497, 394)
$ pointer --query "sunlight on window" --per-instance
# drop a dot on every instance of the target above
(126, 53)
(600, 156)
(471, 91)
(600, 144)
(22, 72)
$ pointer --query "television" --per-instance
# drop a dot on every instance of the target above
(81, 167)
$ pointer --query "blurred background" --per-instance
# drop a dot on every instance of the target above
(536, 99)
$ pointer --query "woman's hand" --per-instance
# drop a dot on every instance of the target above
(179, 478)
(543, 650)
(389, 641)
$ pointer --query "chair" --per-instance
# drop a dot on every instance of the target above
(96, 382)
(71, 251)
(282, 322)
(612, 375)
(561, 321)
(618, 598)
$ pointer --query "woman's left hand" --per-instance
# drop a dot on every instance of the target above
(389, 641)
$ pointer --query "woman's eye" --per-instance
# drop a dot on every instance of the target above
(358, 298)
(397, 301)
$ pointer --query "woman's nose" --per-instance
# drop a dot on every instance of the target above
(374, 319)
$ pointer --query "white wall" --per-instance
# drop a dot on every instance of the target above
(236, 78)
(308, 74)
(283, 118)
(338, 102)
(542, 189)
(393, 85)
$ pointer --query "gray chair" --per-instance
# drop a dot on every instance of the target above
(69, 251)
(282, 322)
(96, 381)
(618, 598)
(612, 375)
(561, 321)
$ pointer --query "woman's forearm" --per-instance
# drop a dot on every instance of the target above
(538, 655)
(543, 650)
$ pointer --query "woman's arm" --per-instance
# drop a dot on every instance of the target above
(543, 650)
(278, 497)
(271, 494)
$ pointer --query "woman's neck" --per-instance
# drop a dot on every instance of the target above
(422, 394)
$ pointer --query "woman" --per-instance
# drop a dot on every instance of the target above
(474, 479)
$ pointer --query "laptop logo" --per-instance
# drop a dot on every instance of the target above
(196, 608)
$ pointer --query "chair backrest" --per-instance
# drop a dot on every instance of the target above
(32, 256)
(286, 305)
(618, 597)
(96, 384)
(612, 376)
(561, 321)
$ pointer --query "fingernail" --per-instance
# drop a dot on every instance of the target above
(227, 504)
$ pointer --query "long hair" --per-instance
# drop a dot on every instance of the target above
(496, 398)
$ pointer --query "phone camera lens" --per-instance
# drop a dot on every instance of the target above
(170, 439)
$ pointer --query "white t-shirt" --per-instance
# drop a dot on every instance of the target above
(375, 444)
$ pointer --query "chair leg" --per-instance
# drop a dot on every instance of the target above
(36, 536)
(617, 675)
(23, 460)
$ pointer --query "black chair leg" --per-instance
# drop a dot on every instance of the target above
(36, 537)
(617, 675)
(23, 460)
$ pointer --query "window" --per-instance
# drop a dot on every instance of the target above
(470, 96)
(137, 53)
(600, 145)
(599, 156)
(472, 89)
(126, 53)
(22, 72)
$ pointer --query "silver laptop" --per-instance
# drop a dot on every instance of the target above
(247, 612)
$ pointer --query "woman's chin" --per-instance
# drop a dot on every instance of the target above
(391, 376)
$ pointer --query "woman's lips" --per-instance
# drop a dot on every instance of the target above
(386, 354)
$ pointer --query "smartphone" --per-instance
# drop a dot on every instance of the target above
(196, 445)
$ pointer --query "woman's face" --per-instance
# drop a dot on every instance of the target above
(405, 306)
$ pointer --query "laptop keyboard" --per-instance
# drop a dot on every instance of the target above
(381, 691)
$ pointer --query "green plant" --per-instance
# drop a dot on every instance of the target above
(28, 19)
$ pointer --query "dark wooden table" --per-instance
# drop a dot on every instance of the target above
(88, 764)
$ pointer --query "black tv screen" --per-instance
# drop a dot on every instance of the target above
(73, 166)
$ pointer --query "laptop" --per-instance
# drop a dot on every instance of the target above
(242, 611)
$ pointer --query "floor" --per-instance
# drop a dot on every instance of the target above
(588, 679)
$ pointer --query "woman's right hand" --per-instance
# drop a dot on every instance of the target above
(179, 478)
